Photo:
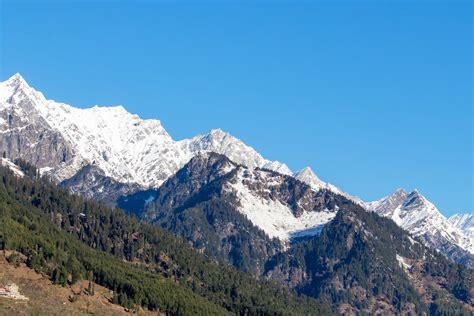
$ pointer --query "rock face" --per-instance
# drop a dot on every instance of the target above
(92, 183)
(416, 214)
(11, 290)
(25, 133)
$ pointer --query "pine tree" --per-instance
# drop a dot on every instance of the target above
(90, 288)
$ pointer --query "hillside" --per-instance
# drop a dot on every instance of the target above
(44, 297)
(150, 268)
(357, 262)
(364, 263)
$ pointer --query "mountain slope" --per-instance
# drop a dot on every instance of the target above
(125, 147)
(358, 261)
(46, 298)
(106, 152)
(366, 264)
(51, 251)
(280, 205)
(91, 182)
(416, 214)
(65, 236)
(465, 222)
(232, 212)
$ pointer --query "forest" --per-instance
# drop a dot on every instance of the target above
(68, 238)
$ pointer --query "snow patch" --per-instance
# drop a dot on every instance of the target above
(277, 219)
(403, 263)
(10, 165)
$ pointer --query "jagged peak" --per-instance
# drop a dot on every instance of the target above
(16, 81)
(465, 222)
(308, 176)
(218, 132)
(400, 191)
(415, 195)
(278, 167)
(305, 172)
(219, 135)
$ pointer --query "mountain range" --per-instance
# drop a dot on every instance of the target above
(106, 152)
(231, 204)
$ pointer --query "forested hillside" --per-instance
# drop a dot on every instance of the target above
(362, 262)
(141, 263)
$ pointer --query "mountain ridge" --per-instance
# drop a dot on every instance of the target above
(102, 151)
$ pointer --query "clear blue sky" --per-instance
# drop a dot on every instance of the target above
(372, 96)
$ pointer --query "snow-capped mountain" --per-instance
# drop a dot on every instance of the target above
(413, 212)
(262, 200)
(125, 147)
(278, 204)
(104, 152)
(307, 176)
(465, 222)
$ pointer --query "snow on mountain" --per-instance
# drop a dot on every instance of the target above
(62, 140)
(127, 148)
(416, 214)
(10, 165)
(388, 205)
(270, 212)
(223, 143)
(307, 176)
(465, 222)
(280, 205)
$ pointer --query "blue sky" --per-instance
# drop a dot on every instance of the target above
(372, 95)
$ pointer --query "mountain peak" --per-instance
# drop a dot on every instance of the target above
(16, 81)
(218, 132)
(307, 176)
(11, 86)
(400, 191)
(306, 171)
(278, 167)
(415, 199)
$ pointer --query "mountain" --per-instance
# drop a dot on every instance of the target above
(68, 239)
(233, 212)
(416, 214)
(308, 176)
(108, 154)
(323, 245)
(359, 263)
(91, 182)
(228, 205)
(126, 148)
(465, 222)
(364, 264)
(345, 260)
